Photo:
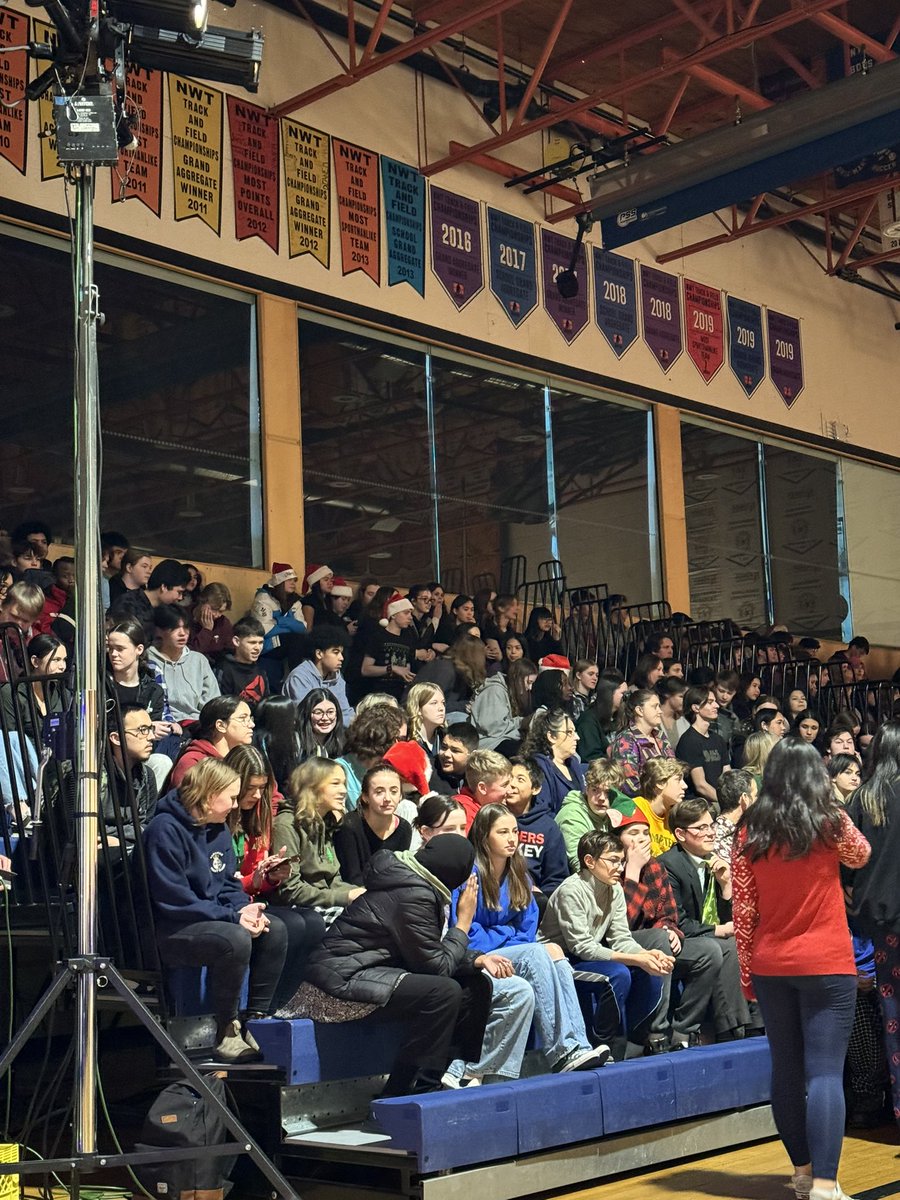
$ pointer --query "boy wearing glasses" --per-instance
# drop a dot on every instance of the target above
(129, 756)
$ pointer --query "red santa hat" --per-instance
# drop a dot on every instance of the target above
(555, 662)
(314, 574)
(411, 763)
(394, 605)
(281, 573)
(342, 588)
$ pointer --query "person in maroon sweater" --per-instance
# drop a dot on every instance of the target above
(795, 952)
(651, 905)
(224, 722)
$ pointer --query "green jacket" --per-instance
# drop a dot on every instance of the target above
(575, 818)
(592, 741)
(315, 879)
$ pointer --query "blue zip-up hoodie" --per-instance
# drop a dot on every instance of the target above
(556, 787)
(191, 869)
(541, 845)
(492, 929)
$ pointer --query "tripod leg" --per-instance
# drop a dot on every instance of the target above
(177, 1056)
(57, 987)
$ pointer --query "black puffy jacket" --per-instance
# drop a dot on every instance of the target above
(395, 928)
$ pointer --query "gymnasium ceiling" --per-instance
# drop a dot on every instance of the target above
(593, 77)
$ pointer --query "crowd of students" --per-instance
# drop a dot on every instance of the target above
(380, 804)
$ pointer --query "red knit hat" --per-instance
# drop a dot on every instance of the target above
(341, 588)
(394, 605)
(314, 574)
(410, 761)
(281, 573)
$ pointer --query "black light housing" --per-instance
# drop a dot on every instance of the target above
(221, 55)
(183, 16)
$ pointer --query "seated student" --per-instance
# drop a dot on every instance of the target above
(135, 568)
(648, 671)
(211, 630)
(373, 825)
(582, 812)
(165, 586)
(320, 725)
(844, 773)
(552, 742)
(552, 688)
(305, 826)
(25, 562)
(21, 607)
(279, 610)
(662, 788)
(807, 726)
(640, 737)
(224, 722)
(755, 755)
(735, 792)
(768, 718)
(704, 751)
(389, 655)
(184, 675)
(238, 673)
(454, 623)
(411, 763)
(701, 883)
(341, 598)
(459, 674)
(316, 598)
(487, 782)
(58, 595)
(458, 744)
(262, 867)
(203, 915)
(129, 755)
(587, 917)
(437, 815)
(495, 714)
(426, 711)
(858, 650)
(322, 668)
(374, 730)
(419, 595)
(46, 657)
(506, 920)
(671, 690)
(596, 727)
(839, 740)
(651, 906)
(540, 841)
(276, 734)
(39, 537)
(542, 634)
(725, 688)
(388, 955)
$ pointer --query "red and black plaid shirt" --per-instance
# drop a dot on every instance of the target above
(651, 901)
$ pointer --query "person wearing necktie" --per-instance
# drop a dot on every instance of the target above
(701, 883)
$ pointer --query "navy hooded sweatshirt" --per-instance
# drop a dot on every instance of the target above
(541, 845)
(191, 869)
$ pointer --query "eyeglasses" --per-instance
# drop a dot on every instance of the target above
(141, 731)
(707, 828)
(248, 720)
(614, 864)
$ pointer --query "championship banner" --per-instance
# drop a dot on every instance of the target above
(254, 165)
(195, 117)
(359, 204)
(512, 264)
(785, 355)
(404, 223)
(306, 159)
(138, 173)
(615, 299)
(43, 31)
(661, 312)
(704, 326)
(746, 355)
(569, 316)
(456, 245)
(13, 77)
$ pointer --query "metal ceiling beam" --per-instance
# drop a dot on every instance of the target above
(607, 126)
(718, 82)
(483, 12)
(874, 259)
(499, 166)
(851, 36)
(537, 73)
(742, 37)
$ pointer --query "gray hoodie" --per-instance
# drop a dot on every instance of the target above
(188, 683)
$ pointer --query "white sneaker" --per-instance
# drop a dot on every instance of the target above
(837, 1193)
(452, 1082)
(582, 1060)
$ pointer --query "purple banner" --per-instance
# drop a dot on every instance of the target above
(746, 354)
(569, 316)
(785, 355)
(456, 245)
(615, 299)
(661, 313)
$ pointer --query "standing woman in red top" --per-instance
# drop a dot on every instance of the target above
(794, 949)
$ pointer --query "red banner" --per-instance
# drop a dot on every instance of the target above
(13, 74)
(138, 173)
(254, 163)
(359, 198)
(704, 326)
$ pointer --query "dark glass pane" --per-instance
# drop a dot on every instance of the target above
(724, 526)
(600, 457)
(180, 435)
(365, 456)
(491, 473)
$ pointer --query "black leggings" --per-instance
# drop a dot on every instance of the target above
(444, 1019)
(305, 930)
(227, 950)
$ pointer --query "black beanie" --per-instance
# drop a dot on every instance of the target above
(449, 857)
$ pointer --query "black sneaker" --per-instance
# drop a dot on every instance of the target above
(582, 1060)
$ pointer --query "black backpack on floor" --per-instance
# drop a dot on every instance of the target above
(180, 1118)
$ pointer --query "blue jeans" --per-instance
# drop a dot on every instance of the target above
(557, 1014)
(808, 1020)
(637, 996)
(509, 1023)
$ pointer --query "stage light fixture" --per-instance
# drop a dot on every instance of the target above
(182, 16)
(221, 55)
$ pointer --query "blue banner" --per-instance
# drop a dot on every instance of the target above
(746, 351)
(404, 216)
(616, 299)
(513, 264)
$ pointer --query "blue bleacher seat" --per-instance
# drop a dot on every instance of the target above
(638, 1093)
(310, 1053)
(707, 1079)
(453, 1129)
(556, 1110)
(754, 1071)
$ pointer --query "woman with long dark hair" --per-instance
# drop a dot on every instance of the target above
(224, 722)
(552, 742)
(542, 634)
(278, 737)
(640, 737)
(795, 953)
(875, 904)
(320, 725)
(596, 726)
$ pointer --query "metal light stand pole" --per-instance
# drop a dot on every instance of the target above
(88, 970)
